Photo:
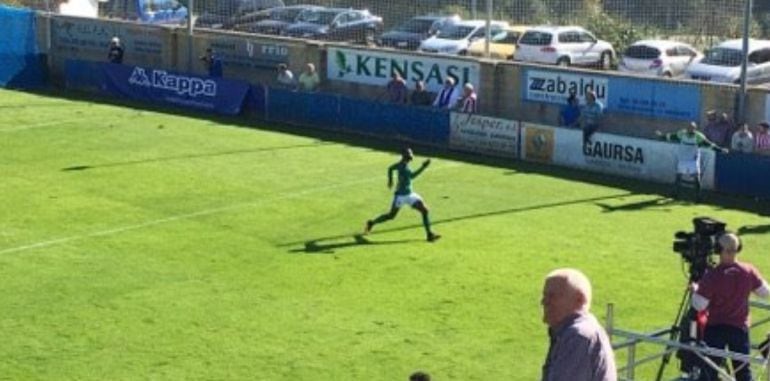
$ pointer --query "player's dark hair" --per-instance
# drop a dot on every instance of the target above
(419, 376)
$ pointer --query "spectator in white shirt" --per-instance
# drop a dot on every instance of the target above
(742, 140)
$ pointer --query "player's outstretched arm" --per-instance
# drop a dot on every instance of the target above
(424, 165)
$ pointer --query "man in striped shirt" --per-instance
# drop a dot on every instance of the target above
(762, 139)
(467, 104)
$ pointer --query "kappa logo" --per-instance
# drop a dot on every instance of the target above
(182, 85)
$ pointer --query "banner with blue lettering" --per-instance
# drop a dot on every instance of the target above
(204, 93)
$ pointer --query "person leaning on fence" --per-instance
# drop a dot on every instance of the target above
(420, 96)
(579, 347)
(742, 140)
(590, 116)
(688, 157)
(724, 292)
(762, 139)
(468, 101)
(115, 52)
(569, 116)
(447, 97)
(396, 90)
(285, 77)
(213, 63)
(309, 79)
(718, 130)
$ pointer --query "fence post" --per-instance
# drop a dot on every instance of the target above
(190, 25)
(488, 34)
(744, 63)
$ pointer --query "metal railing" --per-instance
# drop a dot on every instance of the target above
(657, 338)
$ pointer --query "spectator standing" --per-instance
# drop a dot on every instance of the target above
(285, 77)
(590, 116)
(308, 79)
(467, 104)
(213, 63)
(570, 113)
(762, 139)
(718, 131)
(724, 292)
(396, 90)
(115, 53)
(742, 140)
(420, 96)
(579, 348)
(447, 97)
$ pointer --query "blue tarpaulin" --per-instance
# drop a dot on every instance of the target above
(743, 174)
(21, 66)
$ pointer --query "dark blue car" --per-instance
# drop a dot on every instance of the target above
(336, 24)
(410, 34)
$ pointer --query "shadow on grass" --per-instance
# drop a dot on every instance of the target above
(319, 246)
(464, 218)
(753, 229)
(510, 167)
(194, 156)
(641, 205)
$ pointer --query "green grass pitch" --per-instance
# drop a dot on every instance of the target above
(148, 245)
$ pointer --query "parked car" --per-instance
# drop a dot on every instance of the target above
(502, 46)
(457, 38)
(223, 14)
(723, 63)
(410, 34)
(152, 12)
(336, 24)
(564, 46)
(272, 21)
(660, 58)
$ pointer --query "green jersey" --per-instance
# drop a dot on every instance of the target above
(405, 176)
(689, 144)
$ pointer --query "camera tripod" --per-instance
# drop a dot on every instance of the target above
(683, 316)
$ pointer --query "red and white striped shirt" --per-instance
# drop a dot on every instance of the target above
(762, 142)
(468, 104)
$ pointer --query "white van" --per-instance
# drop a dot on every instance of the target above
(723, 63)
(456, 38)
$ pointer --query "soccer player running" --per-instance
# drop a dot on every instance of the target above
(404, 194)
(690, 140)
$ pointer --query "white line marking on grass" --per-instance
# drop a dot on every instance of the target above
(187, 216)
(42, 124)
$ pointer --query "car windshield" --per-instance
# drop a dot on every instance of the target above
(723, 57)
(455, 32)
(642, 52)
(415, 26)
(536, 38)
(285, 14)
(318, 17)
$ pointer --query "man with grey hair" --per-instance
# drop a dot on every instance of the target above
(579, 348)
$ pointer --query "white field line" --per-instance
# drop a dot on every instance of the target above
(187, 216)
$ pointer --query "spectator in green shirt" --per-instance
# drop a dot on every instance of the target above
(309, 80)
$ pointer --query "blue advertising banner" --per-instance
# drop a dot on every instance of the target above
(20, 64)
(744, 174)
(190, 91)
(657, 99)
(640, 96)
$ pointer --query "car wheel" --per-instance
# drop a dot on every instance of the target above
(605, 61)
(563, 62)
(667, 74)
(463, 52)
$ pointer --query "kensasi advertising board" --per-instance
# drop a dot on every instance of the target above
(647, 97)
(618, 155)
(89, 39)
(485, 135)
(250, 54)
(375, 68)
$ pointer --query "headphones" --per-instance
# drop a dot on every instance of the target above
(718, 245)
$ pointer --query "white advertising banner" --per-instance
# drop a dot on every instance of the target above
(556, 86)
(375, 68)
(641, 159)
(485, 135)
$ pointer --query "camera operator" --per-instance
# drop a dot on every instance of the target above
(690, 140)
(724, 292)
(213, 63)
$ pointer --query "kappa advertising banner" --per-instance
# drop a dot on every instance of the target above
(651, 98)
(481, 134)
(87, 38)
(375, 68)
(247, 54)
(619, 155)
(203, 93)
